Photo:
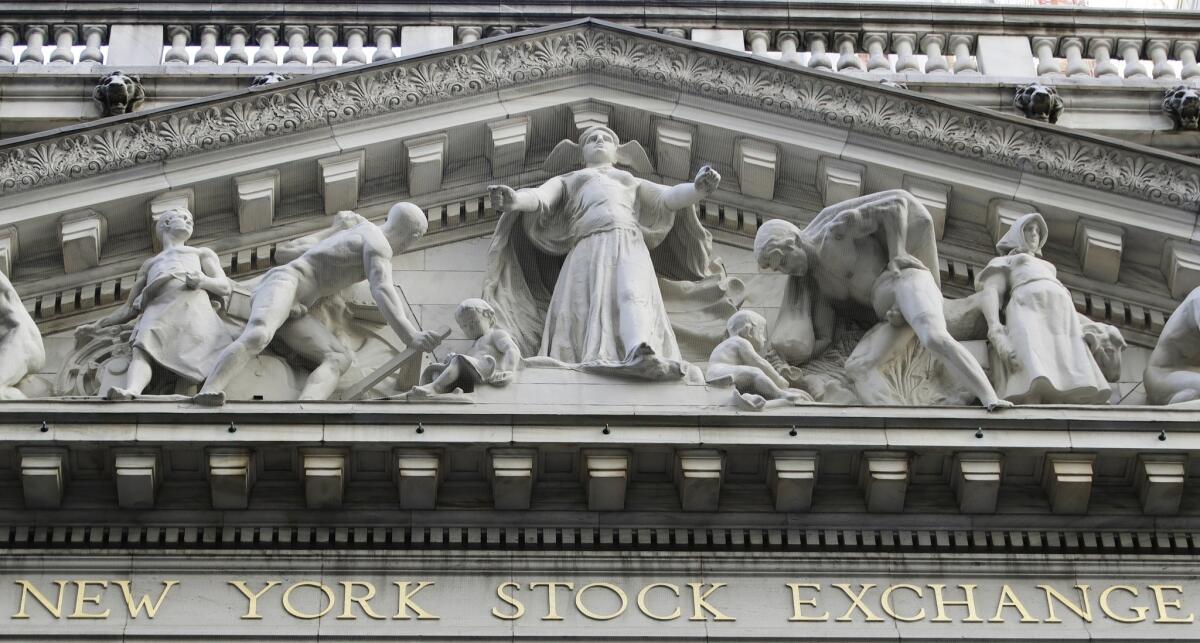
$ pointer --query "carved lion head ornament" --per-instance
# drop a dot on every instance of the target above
(1039, 102)
(119, 93)
(1182, 104)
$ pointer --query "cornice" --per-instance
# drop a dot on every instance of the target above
(591, 46)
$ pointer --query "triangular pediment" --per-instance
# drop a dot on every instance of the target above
(821, 126)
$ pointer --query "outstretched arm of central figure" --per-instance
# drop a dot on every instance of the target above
(378, 267)
(687, 194)
(547, 196)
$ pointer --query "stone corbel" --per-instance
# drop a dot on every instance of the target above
(426, 160)
(605, 475)
(257, 196)
(138, 474)
(507, 142)
(82, 235)
(1098, 246)
(1067, 479)
(839, 180)
(171, 200)
(9, 248)
(339, 179)
(512, 474)
(1180, 264)
(589, 114)
(976, 481)
(934, 196)
(673, 144)
(1159, 484)
(324, 472)
(230, 477)
(43, 477)
(698, 476)
(1002, 213)
(418, 474)
(756, 164)
(883, 478)
(792, 476)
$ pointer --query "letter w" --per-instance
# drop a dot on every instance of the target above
(135, 608)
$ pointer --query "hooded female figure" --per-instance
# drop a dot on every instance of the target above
(579, 266)
(1040, 354)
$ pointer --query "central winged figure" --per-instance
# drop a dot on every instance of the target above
(579, 266)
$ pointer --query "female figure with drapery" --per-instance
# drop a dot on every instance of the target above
(583, 269)
(1042, 350)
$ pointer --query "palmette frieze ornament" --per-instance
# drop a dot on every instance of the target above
(348, 95)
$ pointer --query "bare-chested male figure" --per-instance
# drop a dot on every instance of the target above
(876, 253)
(1173, 372)
(350, 250)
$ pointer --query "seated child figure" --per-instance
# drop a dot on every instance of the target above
(739, 360)
(493, 359)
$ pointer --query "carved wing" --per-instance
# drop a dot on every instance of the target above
(631, 154)
(565, 156)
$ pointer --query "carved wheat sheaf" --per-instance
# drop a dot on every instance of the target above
(400, 85)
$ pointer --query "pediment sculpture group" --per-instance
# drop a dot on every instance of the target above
(604, 273)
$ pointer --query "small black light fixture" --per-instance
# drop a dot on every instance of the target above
(793, 431)
(232, 428)
(605, 430)
(979, 433)
(420, 428)
(44, 428)
(1162, 435)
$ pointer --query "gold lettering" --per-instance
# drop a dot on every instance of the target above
(348, 600)
(1008, 598)
(969, 603)
(1163, 604)
(885, 600)
(798, 603)
(291, 609)
(1140, 611)
(1084, 612)
(406, 601)
(601, 617)
(641, 602)
(552, 598)
(135, 608)
(81, 597)
(518, 606)
(252, 610)
(856, 602)
(700, 603)
(29, 589)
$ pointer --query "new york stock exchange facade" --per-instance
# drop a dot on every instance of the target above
(741, 320)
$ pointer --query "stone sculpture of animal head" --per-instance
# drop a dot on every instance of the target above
(269, 78)
(1039, 102)
(1182, 104)
(119, 93)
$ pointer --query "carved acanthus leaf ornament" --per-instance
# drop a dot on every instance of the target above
(599, 48)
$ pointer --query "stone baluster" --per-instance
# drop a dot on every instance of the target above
(877, 61)
(902, 46)
(1185, 51)
(964, 63)
(207, 55)
(469, 34)
(93, 39)
(1131, 51)
(296, 36)
(675, 33)
(498, 30)
(1100, 49)
(356, 38)
(788, 43)
(325, 56)
(1043, 46)
(1072, 49)
(35, 38)
(758, 40)
(237, 46)
(64, 40)
(179, 36)
(847, 44)
(1158, 54)
(384, 38)
(816, 50)
(266, 46)
(8, 38)
(935, 62)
